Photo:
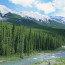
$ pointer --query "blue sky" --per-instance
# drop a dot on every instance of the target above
(45, 7)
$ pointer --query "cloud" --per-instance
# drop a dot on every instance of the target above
(59, 4)
(25, 3)
(46, 7)
(60, 14)
(64, 8)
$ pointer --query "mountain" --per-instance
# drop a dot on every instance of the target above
(4, 10)
(31, 19)
(26, 14)
(59, 19)
(35, 15)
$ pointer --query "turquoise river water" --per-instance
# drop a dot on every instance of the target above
(34, 59)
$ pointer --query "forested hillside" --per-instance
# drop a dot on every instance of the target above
(19, 40)
(13, 18)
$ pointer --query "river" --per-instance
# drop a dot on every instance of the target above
(34, 59)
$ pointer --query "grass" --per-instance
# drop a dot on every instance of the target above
(9, 58)
(39, 62)
(60, 61)
(60, 49)
(49, 51)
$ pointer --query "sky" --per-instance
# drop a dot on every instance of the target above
(45, 7)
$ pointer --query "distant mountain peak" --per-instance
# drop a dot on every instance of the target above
(31, 15)
(34, 15)
(59, 19)
(4, 10)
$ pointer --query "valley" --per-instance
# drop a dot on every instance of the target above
(31, 38)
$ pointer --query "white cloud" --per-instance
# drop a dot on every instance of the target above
(59, 4)
(60, 14)
(25, 3)
(46, 7)
(64, 8)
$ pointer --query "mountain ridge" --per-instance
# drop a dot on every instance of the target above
(32, 15)
(29, 17)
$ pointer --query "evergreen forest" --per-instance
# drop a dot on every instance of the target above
(20, 40)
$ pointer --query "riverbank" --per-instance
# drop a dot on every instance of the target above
(59, 61)
(51, 52)
(16, 57)
(9, 58)
(39, 53)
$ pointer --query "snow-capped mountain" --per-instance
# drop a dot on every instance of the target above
(26, 14)
(4, 10)
(34, 15)
(59, 19)
(29, 15)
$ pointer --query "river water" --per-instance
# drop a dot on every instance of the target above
(34, 59)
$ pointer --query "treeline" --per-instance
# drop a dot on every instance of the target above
(21, 40)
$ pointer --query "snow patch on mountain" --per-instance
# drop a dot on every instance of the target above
(34, 15)
(59, 19)
(30, 15)
(4, 10)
